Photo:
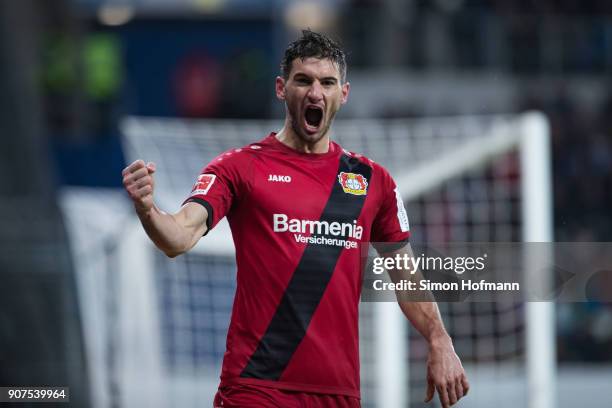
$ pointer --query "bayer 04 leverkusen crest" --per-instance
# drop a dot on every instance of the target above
(353, 183)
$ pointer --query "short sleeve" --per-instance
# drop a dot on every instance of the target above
(219, 185)
(391, 222)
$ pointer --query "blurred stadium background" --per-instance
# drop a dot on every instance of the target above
(85, 302)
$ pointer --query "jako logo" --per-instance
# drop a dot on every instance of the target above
(278, 178)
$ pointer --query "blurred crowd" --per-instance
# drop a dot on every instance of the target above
(582, 171)
(521, 37)
(582, 163)
(523, 6)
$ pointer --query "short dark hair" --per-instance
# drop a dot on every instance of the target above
(316, 45)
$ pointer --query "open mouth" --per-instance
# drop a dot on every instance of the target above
(313, 117)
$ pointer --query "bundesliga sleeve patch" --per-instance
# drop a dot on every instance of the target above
(352, 183)
(204, 183)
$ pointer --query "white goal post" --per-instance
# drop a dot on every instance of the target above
(453, 175)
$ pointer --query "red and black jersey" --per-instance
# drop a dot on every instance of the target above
(298, 221)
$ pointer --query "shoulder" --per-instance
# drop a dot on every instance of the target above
(234, 166)
(379, 180)
(378, 170)
(238, 156)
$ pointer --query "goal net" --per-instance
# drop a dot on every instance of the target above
(155, 327)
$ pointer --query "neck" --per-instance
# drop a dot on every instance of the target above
(288, 137)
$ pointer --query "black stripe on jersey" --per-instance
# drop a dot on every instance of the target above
(307, 285)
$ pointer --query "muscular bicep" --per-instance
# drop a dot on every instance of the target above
(404, 273)
(407, 272)
(192, 218)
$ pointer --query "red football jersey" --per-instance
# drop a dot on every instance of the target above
(298, 221)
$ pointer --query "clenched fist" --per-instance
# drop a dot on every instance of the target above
(139, 183)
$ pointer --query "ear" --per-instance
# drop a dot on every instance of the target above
(280, 88)
(346, 87)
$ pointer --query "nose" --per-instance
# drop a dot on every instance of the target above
(315, 93)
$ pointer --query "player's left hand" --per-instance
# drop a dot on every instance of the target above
(445, 374)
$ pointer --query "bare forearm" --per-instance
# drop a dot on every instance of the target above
(444, 370)
(425, 317)
(172, 233)
(422, 310)
(165, 232)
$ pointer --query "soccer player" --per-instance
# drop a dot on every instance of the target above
(300, 207)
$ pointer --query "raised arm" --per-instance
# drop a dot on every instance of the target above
(444, 370)
(174, 234)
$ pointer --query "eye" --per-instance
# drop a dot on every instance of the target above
(329, 82)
